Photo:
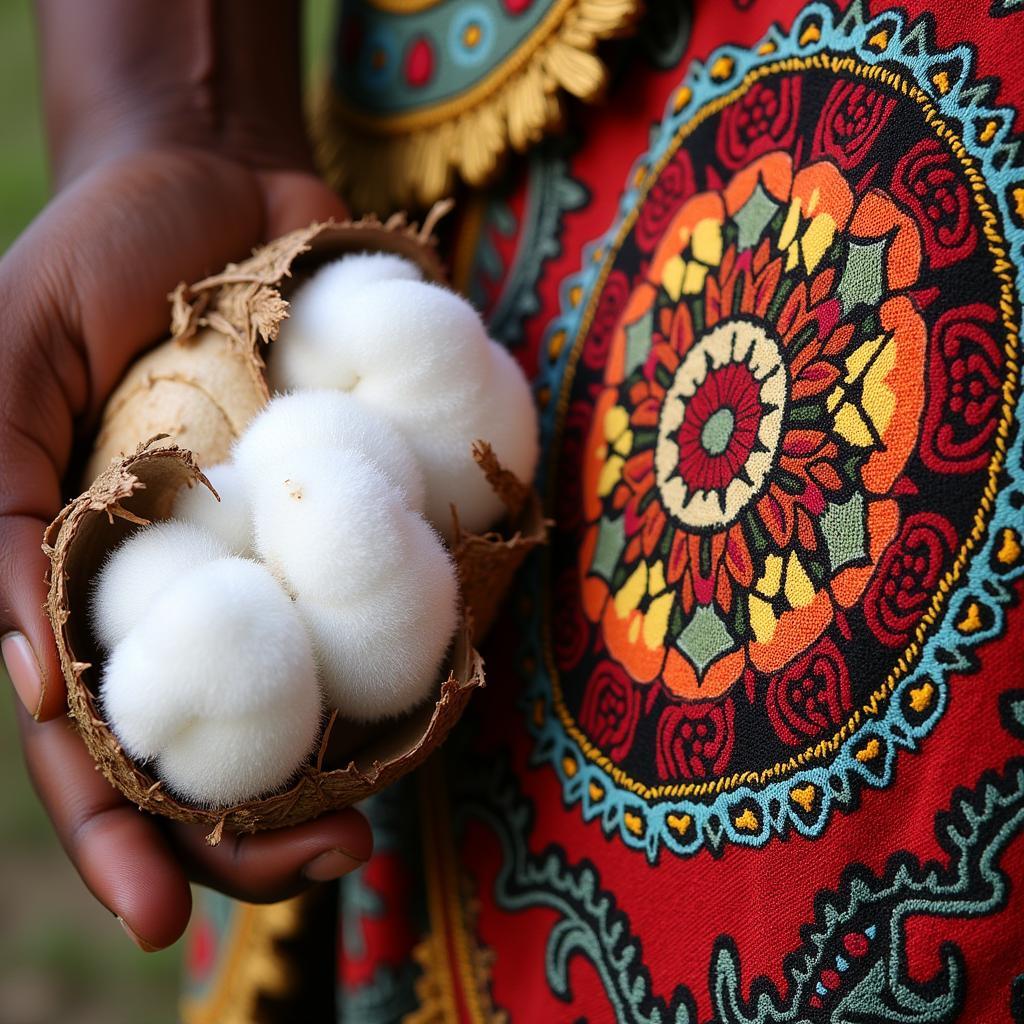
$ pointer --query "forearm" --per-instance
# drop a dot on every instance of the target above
(119, 75)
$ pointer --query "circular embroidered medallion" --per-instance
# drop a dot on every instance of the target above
(787, 418)
(720, 424)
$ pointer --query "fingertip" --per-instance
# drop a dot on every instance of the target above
(295, 199)
(27, 644)
(34, 671)
(23, 671)
(53, 701)
(136, 879)
(119, 852)
(279, 863)
(358, 827)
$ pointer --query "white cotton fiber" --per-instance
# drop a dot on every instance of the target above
(230, 519)
(507, 420)
(301, 356)
(417, 356)
(327, 419)
(380, 654)
(141, 568)
(328, 523)
(414, 346)
(400, 341)
(217, 685)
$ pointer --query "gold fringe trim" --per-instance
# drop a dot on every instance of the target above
(413, 160)
(456, 966)
(253, 966)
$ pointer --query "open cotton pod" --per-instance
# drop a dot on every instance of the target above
(417, 356)
(144, 487)
(216, 684)
(203, 385)
(240, 311)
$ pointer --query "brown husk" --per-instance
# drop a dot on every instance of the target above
(141, 489)
(488, 562)
(205, 383)
(219, 327)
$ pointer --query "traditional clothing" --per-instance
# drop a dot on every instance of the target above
(752, 745)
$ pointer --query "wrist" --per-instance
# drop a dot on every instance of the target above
(219, 75)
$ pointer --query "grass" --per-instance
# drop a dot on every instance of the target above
(23, 167)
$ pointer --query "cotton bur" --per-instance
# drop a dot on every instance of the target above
(418, 357)
(216, 684)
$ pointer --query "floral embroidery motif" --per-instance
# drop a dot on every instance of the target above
(739, 507)
(434, 92)
(769, 383)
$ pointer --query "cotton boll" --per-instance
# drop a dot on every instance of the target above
(250, 756)
(230, 519)
(217, 683)
(418, 352)
(429, 368)
(323, 299)
(328, 523)
(327, 419)
(379, 655)
(141, 568)
(301, 356)
(507, 420)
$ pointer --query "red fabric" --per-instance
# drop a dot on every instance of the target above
(551, 917)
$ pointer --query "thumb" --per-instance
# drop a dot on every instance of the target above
(35, 424)
(295, 199)
(27, 644)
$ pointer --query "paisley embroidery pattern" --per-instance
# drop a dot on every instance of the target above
(852, 963)
(765, 386)
(551, 192)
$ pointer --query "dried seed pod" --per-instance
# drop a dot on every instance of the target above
(203, 385)
(217, 685)
(201, 392)
(244, 306)
(488, 562)
(142, 488)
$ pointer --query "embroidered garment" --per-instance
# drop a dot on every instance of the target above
(434, 89)
(752, 745)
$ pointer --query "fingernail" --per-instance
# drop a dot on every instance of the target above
(24, 671)
(330, 865)
(141, 943)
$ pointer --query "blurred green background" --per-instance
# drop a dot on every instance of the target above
(63, 958)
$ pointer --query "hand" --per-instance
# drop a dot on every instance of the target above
(83, 292)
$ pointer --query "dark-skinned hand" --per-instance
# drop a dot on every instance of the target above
(82, 293)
